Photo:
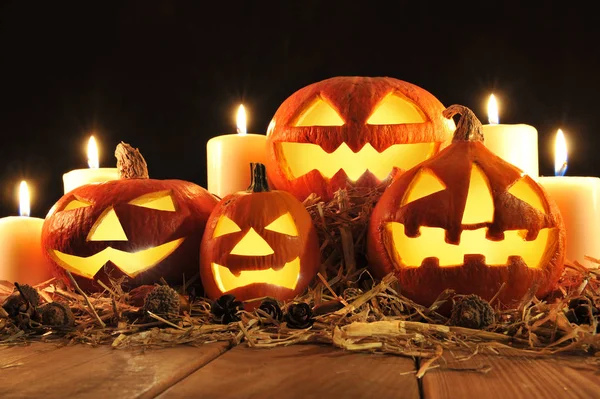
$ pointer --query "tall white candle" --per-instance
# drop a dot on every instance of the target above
(229, 157)
(94, 174)
(516, 144)
(578, 199)
(21, 256)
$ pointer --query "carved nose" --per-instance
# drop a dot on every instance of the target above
(252, 244)
(479, 207)
(107, 228)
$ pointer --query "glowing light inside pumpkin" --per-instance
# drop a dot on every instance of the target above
(92, 153)
(301, 158)
(24, 200)
(410, 252)
(225, 226)
(560, 154)
(160, 201)
(286, 277)
(252, 244)
(393, 110)
(492, 109)
(107, 228)
(131, 264)
(284, 224)
(76, 204)
(425, 183)
(523, 190)
(480, 204)
(241, 120)
(319, 113)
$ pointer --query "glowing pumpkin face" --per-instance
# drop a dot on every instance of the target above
(259, 243)
(143, 229)
(347, 131)
(467, 220)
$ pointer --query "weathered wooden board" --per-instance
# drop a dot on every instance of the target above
(300, 371)
(80, 371)
(514, 376)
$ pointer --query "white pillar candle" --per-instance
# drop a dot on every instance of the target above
(94, 174)
(229, 157)
(516, 144)
(578, 199)
(21, 256)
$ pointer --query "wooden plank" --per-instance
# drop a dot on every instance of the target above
(12, 356)
(515, 376)
(81, 371)
(299, 371)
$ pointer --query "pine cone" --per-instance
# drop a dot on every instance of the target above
(56, 314)
(581, 311)
(162, 300)
(472, 311)
(299, 316)
(272, 308)
(16, 303)
(225, 309)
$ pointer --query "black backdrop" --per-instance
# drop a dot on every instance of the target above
(165, 76)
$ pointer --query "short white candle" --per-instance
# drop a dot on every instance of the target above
(516, 144)
(578, 199)
(21, 257)
(94, 174)
(229, 157)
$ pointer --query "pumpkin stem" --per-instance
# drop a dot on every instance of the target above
(258, 174)
(130, 162)
(469, 127)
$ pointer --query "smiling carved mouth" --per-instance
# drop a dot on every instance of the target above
(472, 242)
(131, 263)
(301, 158)
(286, 277)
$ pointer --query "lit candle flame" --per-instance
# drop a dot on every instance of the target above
(560, 154)
(24, 208)
(241, 120)
(493, 111)
(92, 153)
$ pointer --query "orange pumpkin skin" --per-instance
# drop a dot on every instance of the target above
(444, 209)
(67, 231)
(354, 98)
(257, 210)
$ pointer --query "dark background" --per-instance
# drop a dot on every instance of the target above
(165, 76)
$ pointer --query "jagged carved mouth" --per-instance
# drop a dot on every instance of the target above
(286, 277)
(412, 251)
(301, 158)
(130, 263)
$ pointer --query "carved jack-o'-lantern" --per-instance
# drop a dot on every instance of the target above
(259, 243)
(140, 228)
(347, 131)
(469, 221)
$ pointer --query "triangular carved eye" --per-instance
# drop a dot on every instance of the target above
(284, 224)
(76, 204)
(225, 226)
(395, 110)
(523, 190)
(161, 201)
(320, 113)
(425, 183)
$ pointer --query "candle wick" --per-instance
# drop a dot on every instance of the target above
(562, 170)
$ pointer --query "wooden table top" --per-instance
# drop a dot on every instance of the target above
(297, 371)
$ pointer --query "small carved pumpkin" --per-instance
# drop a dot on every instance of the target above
(469, 221)
(259, 243)
(352, 131)
(136, 227)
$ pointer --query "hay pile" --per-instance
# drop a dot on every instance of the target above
(346, 308)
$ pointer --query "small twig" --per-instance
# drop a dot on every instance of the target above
(112, 293)
(87, 300)
(342, 300)
(157, 317)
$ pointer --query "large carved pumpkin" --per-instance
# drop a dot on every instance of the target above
(352, 130)
(140, 228)
(259, 243)
(469, 221)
